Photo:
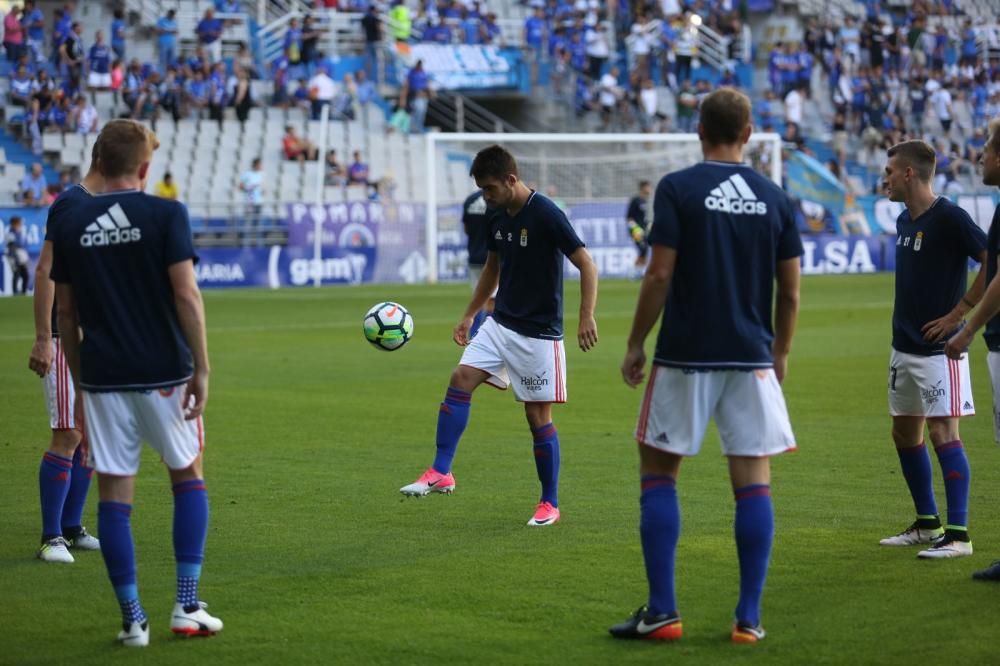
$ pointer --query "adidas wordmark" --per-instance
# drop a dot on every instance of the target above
(733, 195)
(112, 228)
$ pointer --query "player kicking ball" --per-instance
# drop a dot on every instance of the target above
(934, 241)
(522, 343)
(722, 237)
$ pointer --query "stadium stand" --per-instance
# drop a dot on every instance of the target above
(866, 66)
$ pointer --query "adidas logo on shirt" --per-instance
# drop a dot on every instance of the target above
(112, 228)
(733, 195)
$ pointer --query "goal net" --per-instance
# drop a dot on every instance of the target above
(591, 177)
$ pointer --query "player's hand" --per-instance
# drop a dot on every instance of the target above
(195, 395)
(959, 343)
(938, 330)
(632, 366)
(780, 366)
(41, 357)
(587, 334)
(461, 333)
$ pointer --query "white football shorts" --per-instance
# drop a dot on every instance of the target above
(536, 368)
(747, 405)
(993, 363)
(118, 423)
(60, 393)
(929, 386)
(475, 270)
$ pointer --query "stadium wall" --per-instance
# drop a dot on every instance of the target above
(373, 242)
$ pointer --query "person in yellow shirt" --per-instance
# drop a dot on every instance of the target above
(167, 188)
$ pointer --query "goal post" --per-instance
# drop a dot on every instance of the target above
(592, 174)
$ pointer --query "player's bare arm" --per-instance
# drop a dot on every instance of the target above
(40, 359)
(938, 329)
(786, 313)
(191, 315)
(652, 298)
(488, 281)
(987, 308)
(587, 333)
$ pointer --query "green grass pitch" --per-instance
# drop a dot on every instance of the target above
(314, 556)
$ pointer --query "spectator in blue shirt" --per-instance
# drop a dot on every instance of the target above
(293, 42)
(34, 25)
(470, 27)
(534, 32)
(118, 33)
(20, 87)
(197, 94)
(279, 74)
(166, 28)
(99, 62)
(61, 27)
(210, 34)
(34, 182)
(970, 50)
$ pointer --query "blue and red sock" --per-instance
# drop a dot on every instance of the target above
(916, 465)
(190, 530)
(115, 529)
(659, 531)
(754, 534)
(955, 470)
(547, 461)
(453, 416)
(76, 498)
(54, 475)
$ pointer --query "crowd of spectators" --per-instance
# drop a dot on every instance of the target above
(890, 76)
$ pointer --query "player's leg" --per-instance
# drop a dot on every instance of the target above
(115, 443)
(538, 373)
(56, 469)
(753, 424)
(659, 532)
(992, 573)
(672, 421)
(180, 443)
(955, 471)
(907, 408)
(754, 530)
(481, 362)
(54, 480)
(79, 486)
(546, 451)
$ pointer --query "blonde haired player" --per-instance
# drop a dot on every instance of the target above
(123, 264)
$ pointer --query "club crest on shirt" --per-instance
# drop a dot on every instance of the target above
(498, 235)
(524, 237)
(918, 242)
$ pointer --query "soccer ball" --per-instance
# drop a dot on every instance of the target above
(388, 326)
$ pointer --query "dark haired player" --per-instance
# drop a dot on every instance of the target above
(638, 223)
(123, 264)
(934, 241)
(65, 472)
(521, 344)
(722, 236)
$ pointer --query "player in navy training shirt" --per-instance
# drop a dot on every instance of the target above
(722, 235)
(522, 343)
(123, 263)
(988, 310)
(934, 241)
(65, 472)
(475, 221)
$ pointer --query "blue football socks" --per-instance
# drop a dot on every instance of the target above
(754, 534)
(453, 416)
(79, 484)
(115, 530)
(955, 469)
(916, 464)
(547, 461)
(190, 530)
(659, 529)
(53, 485)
